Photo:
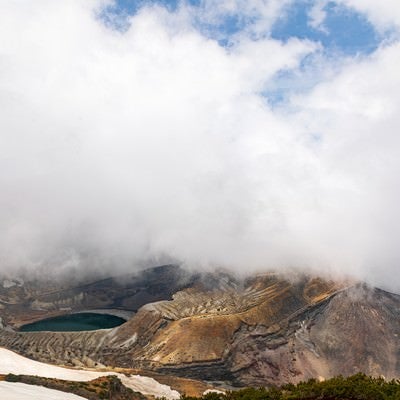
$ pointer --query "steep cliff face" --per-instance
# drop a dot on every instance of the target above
(264, 330)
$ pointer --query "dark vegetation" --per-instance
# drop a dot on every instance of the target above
(356, 387)
(105, 387)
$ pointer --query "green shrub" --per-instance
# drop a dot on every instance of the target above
(12, 378)
(356, 387)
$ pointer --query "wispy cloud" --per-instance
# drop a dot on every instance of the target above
(317, 15)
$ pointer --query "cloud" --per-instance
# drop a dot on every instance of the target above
(358, 123)
(317, 15)
(125, 146)
(121, 148)
(384, 15)
(253, 17)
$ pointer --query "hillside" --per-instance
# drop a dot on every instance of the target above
(263, 330)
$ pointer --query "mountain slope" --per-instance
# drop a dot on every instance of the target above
(265, 330)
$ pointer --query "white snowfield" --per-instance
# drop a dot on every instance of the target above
(21, 391)
(13, 363)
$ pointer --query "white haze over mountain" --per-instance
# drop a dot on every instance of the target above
(125, 148)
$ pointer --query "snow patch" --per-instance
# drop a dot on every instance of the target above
(21, 391)
(13, 363)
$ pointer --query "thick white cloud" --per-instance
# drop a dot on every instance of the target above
(156, 142)
(357, 121)
(128, 146)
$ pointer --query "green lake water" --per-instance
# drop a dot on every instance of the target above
(74, 322)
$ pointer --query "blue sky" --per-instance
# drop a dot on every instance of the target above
(343, 30)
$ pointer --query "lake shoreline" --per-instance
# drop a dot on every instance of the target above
(124, 314)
